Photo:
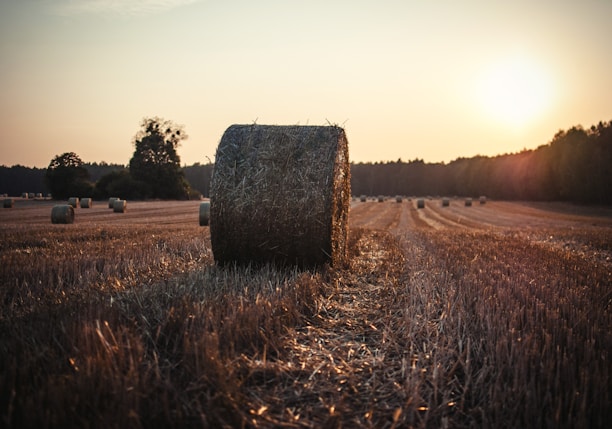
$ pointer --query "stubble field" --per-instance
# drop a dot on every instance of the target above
(495, 315)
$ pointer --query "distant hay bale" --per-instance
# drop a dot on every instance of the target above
(62, 213)
(280, 194)
(482, 199)
(86, 203)
(111, 202)
(445, 202)
(468, 202)
(39, 195)
(24, 195)
(8, 203)
(398, 199)
(119, 206)
(381, 199)
(73, 201)
(204, 213)
(363, 198)
(420, 203)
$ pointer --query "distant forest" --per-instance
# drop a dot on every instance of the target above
(575, 166)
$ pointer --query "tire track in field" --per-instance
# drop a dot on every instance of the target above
(371, 215)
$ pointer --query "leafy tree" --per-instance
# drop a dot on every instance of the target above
(120, 183)
(155, 161)
(67, 177)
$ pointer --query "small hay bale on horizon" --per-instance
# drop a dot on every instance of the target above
(73, 201)
(8, 203)
(399, 199)
(281, 195)
(62, 213)
(86, 203)
(111, 201)
(363, 198)
(482, 199)
(445, 202)
(119, 206)
(204, 213)
(468, 202)
(421, 203)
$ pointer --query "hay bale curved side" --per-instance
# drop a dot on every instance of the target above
(280, 194)
(8, 203)
(62, 213)
(421, 203)
(111, 202)
(468, 202)
(119, 206)
(204, 213)
(86, 203)
(73, 201)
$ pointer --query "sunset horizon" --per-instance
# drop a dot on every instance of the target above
(406, 80)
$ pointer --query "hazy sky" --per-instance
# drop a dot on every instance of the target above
(435, 79)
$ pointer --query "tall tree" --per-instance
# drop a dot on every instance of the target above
(156, 162)
(67, 177)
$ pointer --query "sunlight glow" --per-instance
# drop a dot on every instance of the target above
(515, 92)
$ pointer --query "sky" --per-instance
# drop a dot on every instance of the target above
(434, 80)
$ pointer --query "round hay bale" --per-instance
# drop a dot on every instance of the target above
(111, 202)
(73, 201)
(280, 194)
(204, 213)
(62, 213)
(445, 202)
(482, 199)
(119, 206)
(86, 203)
(398, 199)
(381, 198)
(8, 203)
(421, 203)
(363, 198)
(24, 195)
(468, 202)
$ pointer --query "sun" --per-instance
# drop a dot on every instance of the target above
(515, 91)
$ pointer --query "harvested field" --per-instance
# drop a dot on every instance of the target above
(496, 315)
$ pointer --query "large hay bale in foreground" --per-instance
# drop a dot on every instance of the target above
(73, 201)
(8, 203)
(280, 194)
(62, 213)
(204, 213)
(119, 206)
(86, 203)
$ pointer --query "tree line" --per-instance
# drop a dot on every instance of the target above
(576, 165)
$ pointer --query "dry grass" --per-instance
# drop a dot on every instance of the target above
(427, 329)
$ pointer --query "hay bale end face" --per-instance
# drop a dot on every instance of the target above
(280, 194)
(119, 206)
(204, 213)
(73, 201)
(62, 213)
(8, 203)
(86, 203)
(421, 203)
